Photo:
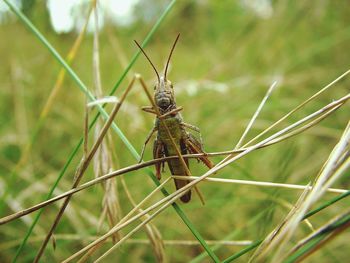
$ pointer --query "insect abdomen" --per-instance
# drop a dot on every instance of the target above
(176, 166)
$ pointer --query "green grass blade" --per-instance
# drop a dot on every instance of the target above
(242, 252)
(311, 213)
(330, 202)
(316, 240)
(201, 257)
(71, 72)
(83, 88)
(308, 246)
(49, 195)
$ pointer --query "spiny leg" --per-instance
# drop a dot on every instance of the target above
(193, 128)
(158, 152)
(149, 109)
(178, 153)
(194, 146)
(154, 106)
(149, 136)
(176, 110)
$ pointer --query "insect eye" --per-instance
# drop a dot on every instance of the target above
(154, 87)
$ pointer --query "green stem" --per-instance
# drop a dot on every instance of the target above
(310, 245)
(311, 213)
(104, 114)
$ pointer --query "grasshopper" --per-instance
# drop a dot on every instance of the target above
(170, 122)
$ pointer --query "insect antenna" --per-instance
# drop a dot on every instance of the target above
(149, 60)
(171, 52)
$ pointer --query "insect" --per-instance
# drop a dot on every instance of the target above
(170, 122)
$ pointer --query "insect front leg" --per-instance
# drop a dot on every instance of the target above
(171, 112)
(149, 109)
(149, 136)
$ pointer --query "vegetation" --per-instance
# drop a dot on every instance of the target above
(227, 57)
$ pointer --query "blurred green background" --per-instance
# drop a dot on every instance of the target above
(228, 54)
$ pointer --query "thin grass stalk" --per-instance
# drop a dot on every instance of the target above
(293, 111)
(139, 166)
(151, 230)
(48, 105)
(257, 112)
(327, 173)
(329, 227)
(104, 114)
(134, 230)
(139, 241)
(242, 252)
(180, 191)
(108, 176)
(99, 241)
(274, 136)
(174, 196)
(319, 238)
(86, 131)
(299, 107)
(290, 223)
(309, 214)
(102, 159)
(280, 227)
(290, 206)
(259, 183)
(81, 170)
(57, 86)
(202, 256)
(163, 207)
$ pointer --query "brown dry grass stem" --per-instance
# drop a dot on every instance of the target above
(151, 230)
(262, 184)
(337, 163)
(125, 170)
(299, 106)
(81, 170)
(328, 227)
(168, 242)
(174, 196)
(54, 92)
(103, 162)
(137, 207)
(327, 110)
(292, 111)
(286, 116)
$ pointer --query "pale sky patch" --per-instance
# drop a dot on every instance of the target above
(5, 10)
(61, 15)
(69, 15)
(120, 12)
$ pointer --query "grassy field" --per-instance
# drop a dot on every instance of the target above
(226, 59)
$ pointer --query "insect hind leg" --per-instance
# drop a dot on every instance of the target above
(194, 128)
(158, 152)
(194, 146)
